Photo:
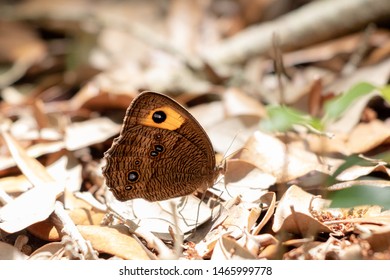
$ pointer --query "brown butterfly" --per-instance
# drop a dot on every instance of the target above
(162, 152)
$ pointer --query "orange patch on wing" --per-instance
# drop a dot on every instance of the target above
(173, 121)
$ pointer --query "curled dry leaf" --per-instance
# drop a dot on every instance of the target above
(356, 171)
(157, 217)
(228, 249)
(245, 179)
(284, 162)
(9, 252)
(115, 241)
(229, 135)
(268, 200)
(189, 213)
(254, 243)
(205, 247)
(293, 213)
(48, 251)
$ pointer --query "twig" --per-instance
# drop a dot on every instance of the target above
(313, 23)
(151, 240)
(61, 219)
(361, 50)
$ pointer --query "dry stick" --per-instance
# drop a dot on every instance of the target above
(312, 23)
(151, 240)
(359, 53)
(60, 217)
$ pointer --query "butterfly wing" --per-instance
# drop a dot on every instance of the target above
(161, 152)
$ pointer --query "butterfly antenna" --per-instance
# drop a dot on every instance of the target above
(230, 145)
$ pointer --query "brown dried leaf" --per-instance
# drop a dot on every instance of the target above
(47, 251)
(269, 200)
(245, 179)
(115, 241)
(367, 136)
(293, 213)
(269, 154)
(380, 240)
(357, 171)
(228, 249)
(45, 230)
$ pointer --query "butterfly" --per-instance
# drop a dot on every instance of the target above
(161, 152)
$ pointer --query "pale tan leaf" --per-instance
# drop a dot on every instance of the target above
(356, 171)
(268, 200)
(36, 204)
(47, 251)
(229, 135)
(293, 213)
(245, 179)
(237, 103)
(367, 136)
(30, 207)
(115, 241)
(157, 217)
(9, 252)
(93, 131)
(283, 162)
(228, 249)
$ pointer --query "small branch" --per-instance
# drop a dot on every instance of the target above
(313, 23)
(61, 219)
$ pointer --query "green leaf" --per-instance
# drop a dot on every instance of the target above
(281, 118)
(360, 195)
(385, 91)
(337, 106)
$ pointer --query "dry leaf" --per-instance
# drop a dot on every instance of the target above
(228, 249)
(9, 252)
(115, 241)
(293, 213)
(245, 179)
(367, 136)
(285, 163)
(34, 205)
(93, 131)
(237, 103)
(269, 200)
(47, 251)
(380, 240)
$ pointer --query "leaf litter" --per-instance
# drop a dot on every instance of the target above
(297, 193)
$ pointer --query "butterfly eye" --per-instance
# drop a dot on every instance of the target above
(132, 176)
(128, 188)
(154, 153)
(159, 116)
(137, 162)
